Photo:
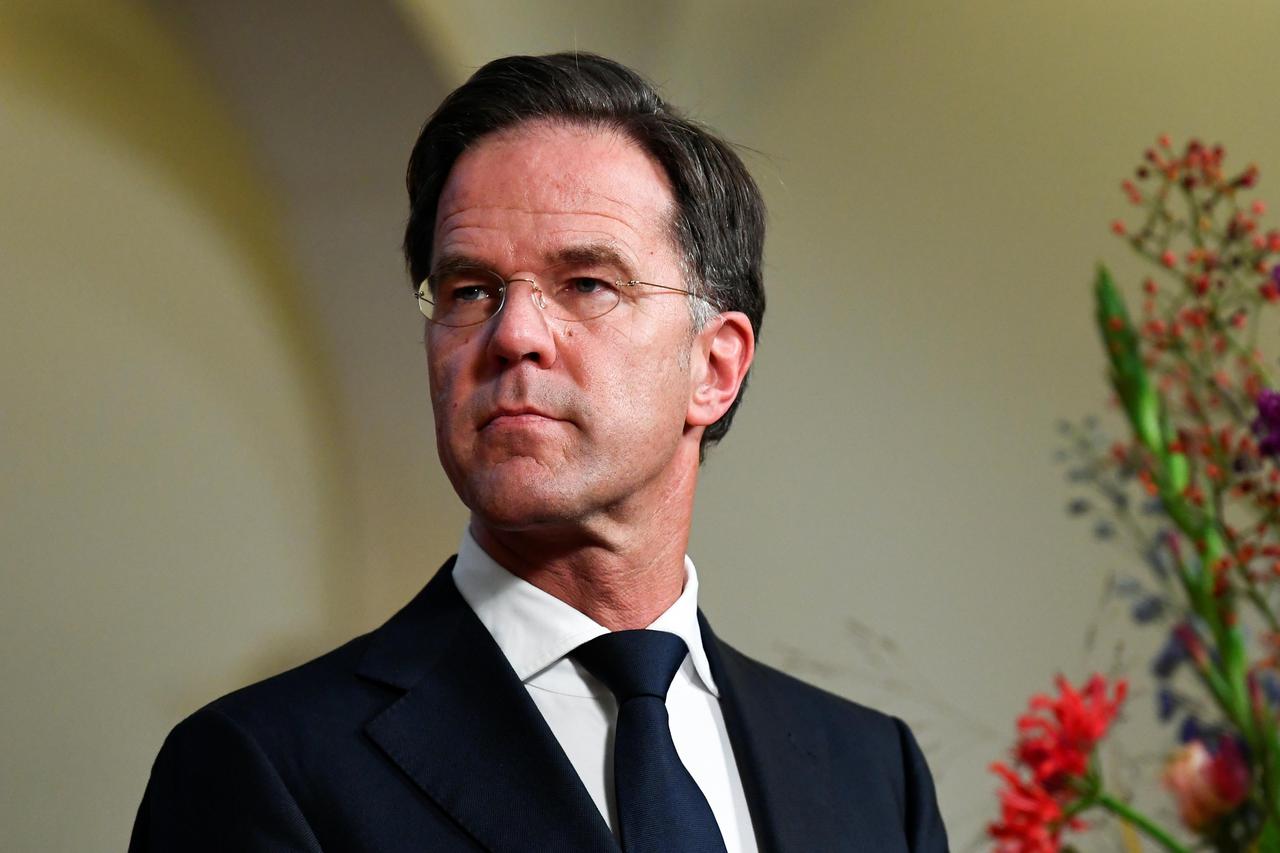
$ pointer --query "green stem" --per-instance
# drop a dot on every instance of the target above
(1141, 822)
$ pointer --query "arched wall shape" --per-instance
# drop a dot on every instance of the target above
(173, 516)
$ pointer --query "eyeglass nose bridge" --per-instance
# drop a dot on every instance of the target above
(536, 292)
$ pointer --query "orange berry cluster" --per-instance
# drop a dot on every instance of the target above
(1191, 197)
(1216, 267)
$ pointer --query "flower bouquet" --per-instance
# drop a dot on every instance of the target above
(1195, 487)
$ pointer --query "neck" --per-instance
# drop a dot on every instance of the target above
(622, 568)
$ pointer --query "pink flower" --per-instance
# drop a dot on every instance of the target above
(1207, 785)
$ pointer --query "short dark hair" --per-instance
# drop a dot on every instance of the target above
(719, 218)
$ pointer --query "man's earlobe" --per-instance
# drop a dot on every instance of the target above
(726, 346)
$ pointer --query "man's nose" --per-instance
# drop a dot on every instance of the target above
(522, 329)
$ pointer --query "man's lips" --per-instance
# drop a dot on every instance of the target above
(519, 416)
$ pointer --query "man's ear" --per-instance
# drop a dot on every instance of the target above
(722, 353)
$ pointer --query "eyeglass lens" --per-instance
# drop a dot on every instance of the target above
(464, 296)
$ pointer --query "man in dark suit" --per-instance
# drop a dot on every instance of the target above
(589, 263)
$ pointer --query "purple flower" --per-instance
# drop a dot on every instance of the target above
(1192, 729)
(1148, 609)
(1267, 425)
(1172, 653)
(1270, 687)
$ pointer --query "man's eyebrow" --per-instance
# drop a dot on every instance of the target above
(604, 254)
(451, 262)
(593, 253)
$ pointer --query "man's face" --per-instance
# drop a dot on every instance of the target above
(544, 421)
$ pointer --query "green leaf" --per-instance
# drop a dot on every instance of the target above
(1128, 374)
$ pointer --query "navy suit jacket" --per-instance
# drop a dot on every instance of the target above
(419, 737)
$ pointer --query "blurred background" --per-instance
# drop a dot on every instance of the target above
(216, 452)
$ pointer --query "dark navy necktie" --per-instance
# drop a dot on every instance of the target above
(660, 807)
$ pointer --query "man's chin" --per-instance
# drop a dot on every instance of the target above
(521, 518)
(507, 502)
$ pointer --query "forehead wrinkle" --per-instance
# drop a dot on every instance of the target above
(549, 242)
(444, 223)
(633, 211)
(577, 197)
(581, 246)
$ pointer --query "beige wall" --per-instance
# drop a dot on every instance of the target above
(217, 460)
(171, 510)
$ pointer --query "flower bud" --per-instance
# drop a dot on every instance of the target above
(1207, 785)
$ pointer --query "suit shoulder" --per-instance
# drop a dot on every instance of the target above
(300, 698)
(864, 750)
(326, 701)
(805, 697)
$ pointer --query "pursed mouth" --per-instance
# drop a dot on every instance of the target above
(517, 416)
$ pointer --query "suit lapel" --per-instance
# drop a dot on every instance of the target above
(467, 733)
(784, 770)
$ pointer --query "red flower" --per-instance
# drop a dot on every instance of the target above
(1058, 735)
(1056, 738)
(1031, 819)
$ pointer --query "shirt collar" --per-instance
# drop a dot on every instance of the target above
(534, 629)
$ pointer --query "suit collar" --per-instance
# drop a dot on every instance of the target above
(784, 769)
(467, 733)
(408, 645)
(445, 739)
(535, 630)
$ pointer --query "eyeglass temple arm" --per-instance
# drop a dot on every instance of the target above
(651, 284)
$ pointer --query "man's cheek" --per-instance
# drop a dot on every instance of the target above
(446, 405)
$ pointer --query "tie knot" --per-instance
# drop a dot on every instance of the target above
(633, 663)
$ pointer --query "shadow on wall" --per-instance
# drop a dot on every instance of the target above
(174, 512)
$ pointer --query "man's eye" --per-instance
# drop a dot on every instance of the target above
(585, 285)
(467, 289)
(469, 293)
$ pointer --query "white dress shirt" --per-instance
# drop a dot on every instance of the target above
(536, 631)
